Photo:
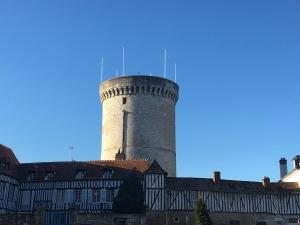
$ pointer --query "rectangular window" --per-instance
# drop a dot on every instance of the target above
(194, 196)
(261, 223)
(293, 220)
(96, 195)
(124, 100)
(56, 218)
(2, 188)
(77, 195)
(103, 195)
(25, 197)
(109, 195)
(11, 193)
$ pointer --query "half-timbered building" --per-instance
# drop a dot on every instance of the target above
(58, 192)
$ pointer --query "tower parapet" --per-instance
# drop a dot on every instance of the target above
(139, 118)
(145, 88)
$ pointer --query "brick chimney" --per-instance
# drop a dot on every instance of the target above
(216, 176)
(283, 167)
(296, 162)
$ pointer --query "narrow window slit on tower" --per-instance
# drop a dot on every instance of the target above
(124, 100)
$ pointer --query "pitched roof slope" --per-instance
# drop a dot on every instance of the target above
(92, 169)
(139, 165)
(8, 154)
(206, 184)
(155, 168)
(8, 161)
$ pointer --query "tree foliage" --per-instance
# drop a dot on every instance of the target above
(202, 214)
(130, 197)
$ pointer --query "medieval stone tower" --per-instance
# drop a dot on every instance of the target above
(138, 119)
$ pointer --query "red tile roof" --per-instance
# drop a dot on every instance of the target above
(91, 169)
(139, 165)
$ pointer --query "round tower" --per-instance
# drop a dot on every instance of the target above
(138, 119)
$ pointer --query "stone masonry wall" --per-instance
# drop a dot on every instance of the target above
(143, 125)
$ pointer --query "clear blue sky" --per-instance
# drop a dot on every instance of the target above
(238, 67)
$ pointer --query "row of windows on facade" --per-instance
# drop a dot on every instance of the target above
(56, 218)
(237, 222)
(290, 220)
(63, 218)
(98, 195)
(231, 222)
(10, 194)
(78, 195)
(80, 174)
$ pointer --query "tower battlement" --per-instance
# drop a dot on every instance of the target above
(134, 85)
(138, 119)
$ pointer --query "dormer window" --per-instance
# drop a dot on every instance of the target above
(107, 174)
(4, 164)
(31, 176)
(80, 174)
(49, 175)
